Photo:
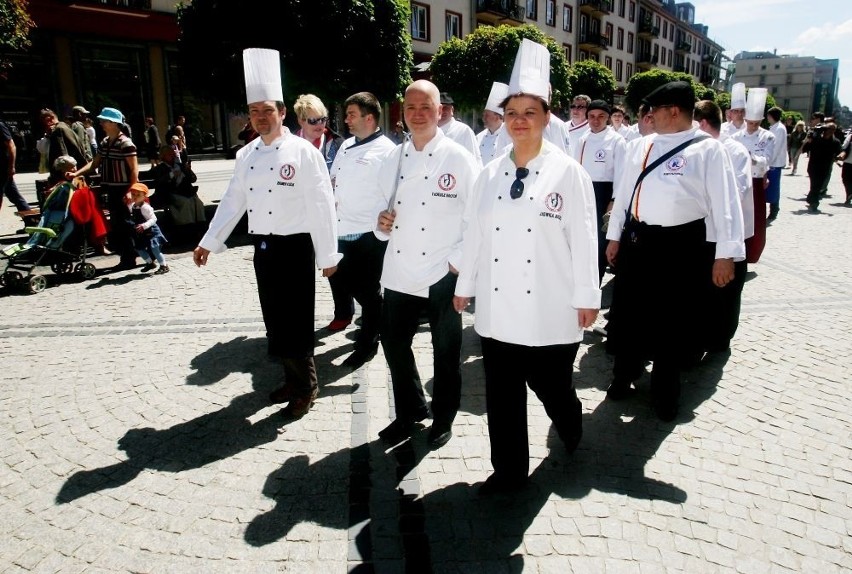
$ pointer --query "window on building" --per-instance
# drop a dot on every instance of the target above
(550, 13)
(608, 63)
(619, 39)
(618, 71)
(453, 21)
(628, 70)
(621, 4)
(665, 28)
(762, 80)
(566, 49)
(567, 18)
(777, 66)
(583, 55)
(630, 42)
(532, 9)
(763, 66)
(419, 22)
(670, 59)
(609, 38)
(774, 90)
(631, 14)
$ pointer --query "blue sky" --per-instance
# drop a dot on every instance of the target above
(820, 28)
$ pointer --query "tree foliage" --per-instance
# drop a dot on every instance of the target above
(592, 79)
(15, 27)
(467, 68)
(331, 48)
(642, 84)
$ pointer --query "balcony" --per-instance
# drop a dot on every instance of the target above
(496, 12)
(646, 61)
(596, 7)
(648, 30)
(682, 47)
(593, 41)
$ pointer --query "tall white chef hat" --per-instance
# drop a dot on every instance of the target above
(262, 68)
(738, 96)
(756, 104)
(499, 91)
(531, 73)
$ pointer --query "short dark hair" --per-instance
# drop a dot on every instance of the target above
(618, 108)
(818, 115)
(710, 111)
(775, 113)
(367, 103)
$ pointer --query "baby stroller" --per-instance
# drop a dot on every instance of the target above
(57, 241)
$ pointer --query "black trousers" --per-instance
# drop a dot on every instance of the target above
(120, 234)
(846, 176)
(284, 267)
(722, 312)
(400, 319)
(508, 369)
(9, 188)
(819, 176)
(603, 195)
(358, 275)
(661, 274)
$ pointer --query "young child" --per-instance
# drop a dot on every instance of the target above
(148, 237)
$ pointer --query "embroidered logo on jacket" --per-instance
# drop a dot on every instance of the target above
(675, 165)
(554, 203)
(600, 155)
(447, 183)
(287, 172)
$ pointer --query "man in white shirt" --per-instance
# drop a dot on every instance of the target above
(600, 151)
(354, 177)
(427, 184)
(777, 162)
(492, 116)
(616, 118)
(643, 126)
(723, 304)
(736, 113)
(455, 130)
(282, 181)
(577, 125)
(657, 234)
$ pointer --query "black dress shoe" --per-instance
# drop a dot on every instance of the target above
(618, 391)
(496, 485)
(572, 441)
(439, 435)
(397, 431)
(666, 408)
(359, 357)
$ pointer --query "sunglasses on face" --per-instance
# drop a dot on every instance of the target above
(517, 189)
(315, 121)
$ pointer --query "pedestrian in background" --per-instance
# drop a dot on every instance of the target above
(148, 239)
(152, 141)
(8, 187)
(282, 182)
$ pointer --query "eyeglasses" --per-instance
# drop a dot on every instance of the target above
(517, 189)
(315, 121)
(573, 107)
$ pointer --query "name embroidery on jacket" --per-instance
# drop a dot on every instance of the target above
(287, 172)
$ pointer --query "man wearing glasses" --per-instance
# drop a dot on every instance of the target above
(427, 184)
(658, 234)
(578, 125)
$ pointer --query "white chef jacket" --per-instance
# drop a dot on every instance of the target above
(575, 133)
(431, 199)
(632, 133)
(489, 143)
(600, 153)
(623, 130)
(462, 134)
(728, 129)
(531, 262)
(779, 155)
(696, 183)
(285, 188)
(741, 160)
(761, 146)
(354, 177)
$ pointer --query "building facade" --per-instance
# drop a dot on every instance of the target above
(798, 83)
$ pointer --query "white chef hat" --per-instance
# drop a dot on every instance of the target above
(738, 96)
(756, 104)
(262, 68)
(499, 91)
(531, 73)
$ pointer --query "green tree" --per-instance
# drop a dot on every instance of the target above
(592, 79)
(642, 84)
(467, 68)
(15, 27)
(330, 48)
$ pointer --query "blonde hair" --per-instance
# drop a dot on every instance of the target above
(307, 102)
(800, 123)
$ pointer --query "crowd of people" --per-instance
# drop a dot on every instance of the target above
(524, 218)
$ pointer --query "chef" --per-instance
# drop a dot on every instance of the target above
(492, 116)
(736, 112)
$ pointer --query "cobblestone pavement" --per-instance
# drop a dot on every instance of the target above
(136, 436)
